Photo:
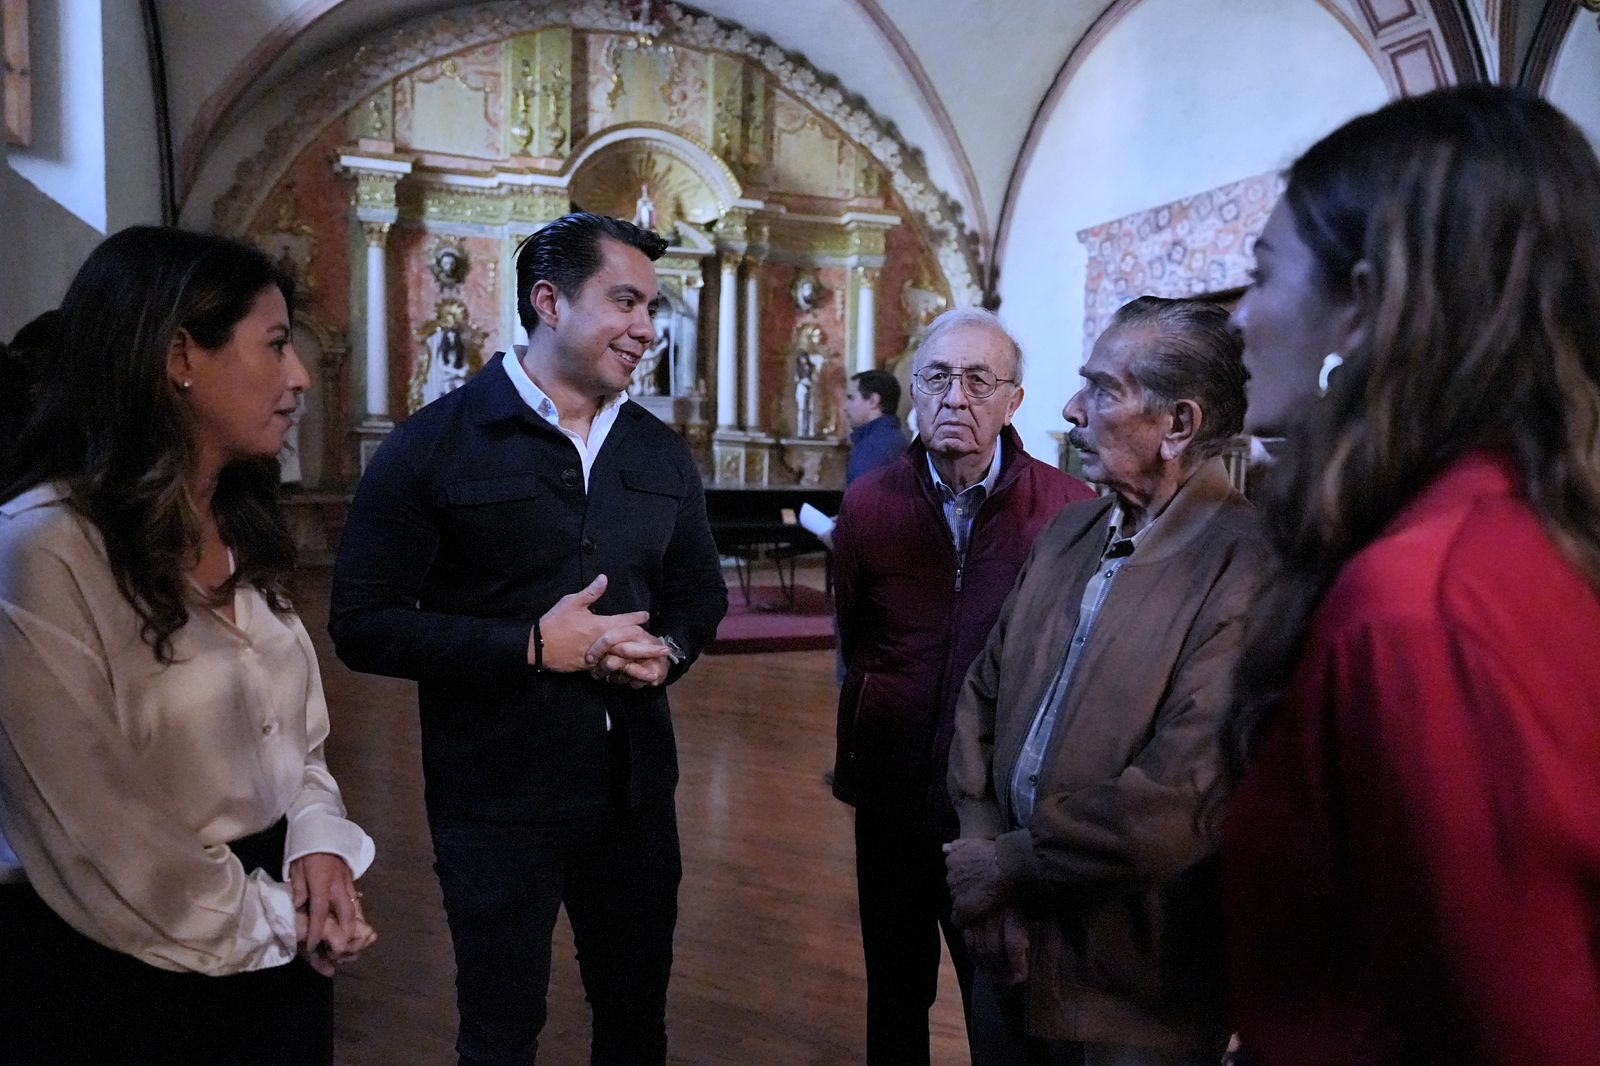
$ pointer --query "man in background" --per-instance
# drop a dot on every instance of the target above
(876, 436)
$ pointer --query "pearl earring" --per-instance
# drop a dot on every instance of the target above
(185, 384)
(1331, 362)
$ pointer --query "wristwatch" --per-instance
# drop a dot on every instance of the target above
(675, 650)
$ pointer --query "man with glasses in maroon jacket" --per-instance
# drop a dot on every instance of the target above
(925, 550)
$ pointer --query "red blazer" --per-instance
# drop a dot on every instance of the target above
(1412, 865)
(907, 634)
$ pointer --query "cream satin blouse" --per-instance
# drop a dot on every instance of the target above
(122, 780)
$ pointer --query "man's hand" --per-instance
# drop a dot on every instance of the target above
(570, 629)
(630, 655)
(976, 887)
(328, 919)
(999, 943)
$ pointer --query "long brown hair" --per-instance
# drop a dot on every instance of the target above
(1477, 210)
(110, 425)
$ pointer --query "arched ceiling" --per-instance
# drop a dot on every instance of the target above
(962, 80)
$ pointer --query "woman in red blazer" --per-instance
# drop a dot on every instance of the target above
(1413, 853)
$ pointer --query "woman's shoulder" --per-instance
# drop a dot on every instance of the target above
(43, 539)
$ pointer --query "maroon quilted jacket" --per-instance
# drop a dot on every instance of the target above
(910, 625)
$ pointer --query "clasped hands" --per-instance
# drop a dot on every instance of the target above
(612, 647)
(996, 935)
(328, 921)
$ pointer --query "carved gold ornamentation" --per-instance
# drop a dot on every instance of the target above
(866, 240)
(374, 190)
(540, 205)
(610, 183)
(292, 244)
(446, 204)
(378, 121)
(920, 303)
(522, 105)
(866, 277)
(557, 92)
(449, 263)
(357, 74)
(811, 240)
(808, 292)
(375, 232)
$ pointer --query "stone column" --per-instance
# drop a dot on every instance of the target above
(752, 344)
(727, 342)
(377, 405)
(866, 318)
(375, 176)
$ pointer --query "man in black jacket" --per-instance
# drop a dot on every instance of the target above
(533, 550)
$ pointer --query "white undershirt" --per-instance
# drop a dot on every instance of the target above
(543, 406)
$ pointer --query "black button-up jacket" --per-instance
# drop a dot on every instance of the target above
(471, 521)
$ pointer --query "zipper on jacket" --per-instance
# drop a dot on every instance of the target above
(960, 564)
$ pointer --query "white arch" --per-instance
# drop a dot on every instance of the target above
(710, 169)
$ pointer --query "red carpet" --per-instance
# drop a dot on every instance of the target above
(770, 623)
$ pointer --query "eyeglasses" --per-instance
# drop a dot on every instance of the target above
(977, 384)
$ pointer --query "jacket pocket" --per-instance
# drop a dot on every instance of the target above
(487, 490)
(500, 525)
(654, 482)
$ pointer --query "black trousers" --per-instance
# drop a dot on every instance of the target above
(68, 1001)
(905, 904)
(616, 873)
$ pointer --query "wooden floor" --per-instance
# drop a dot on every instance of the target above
(768, 963)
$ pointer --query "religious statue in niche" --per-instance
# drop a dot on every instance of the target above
(808, 291)
(450, 354)
(654, 368)
(808, 362)
(644, 209)
(449, 265)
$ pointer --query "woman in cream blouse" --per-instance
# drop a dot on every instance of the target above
(176, 868)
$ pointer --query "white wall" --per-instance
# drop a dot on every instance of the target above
(67, 160)
(93, 165)
(1575, 82)
(1181, 96)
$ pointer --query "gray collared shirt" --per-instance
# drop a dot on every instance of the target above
(1025, 775)
(961, 507)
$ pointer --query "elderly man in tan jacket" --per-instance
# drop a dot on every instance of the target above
(1085, 737)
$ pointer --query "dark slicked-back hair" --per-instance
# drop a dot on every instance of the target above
(1198, 356)
(1476, 210)
(882, 384)
(111, 426)
(566, 253)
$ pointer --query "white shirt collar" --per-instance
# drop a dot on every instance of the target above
(543, 406)
(536, 398)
